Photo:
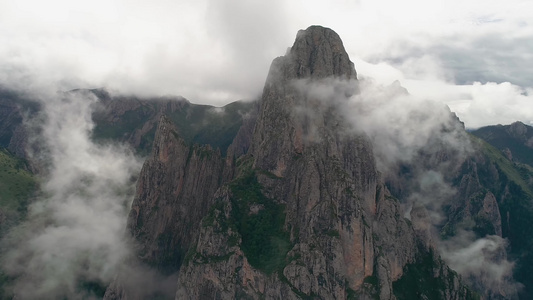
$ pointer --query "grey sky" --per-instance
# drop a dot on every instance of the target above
(219, 51)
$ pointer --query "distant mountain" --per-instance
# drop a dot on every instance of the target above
(130, 119)
(515, 140)
(511, 151)
(134, 120)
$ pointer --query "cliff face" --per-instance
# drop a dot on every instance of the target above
(306, 214)
(288, 118)
(496, 198)
(172, 189)
(326, 178)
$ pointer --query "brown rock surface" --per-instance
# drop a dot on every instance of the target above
(296, 169)
(174, 190)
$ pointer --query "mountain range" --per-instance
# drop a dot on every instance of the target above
(299, 194)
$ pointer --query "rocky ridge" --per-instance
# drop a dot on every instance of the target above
(189, 174)
(515, 140)
(300, 212)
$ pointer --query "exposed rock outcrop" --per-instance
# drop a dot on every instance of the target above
(174, 192)
(341, 233)
(296, 210)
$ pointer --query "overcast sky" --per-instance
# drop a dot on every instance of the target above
(476, 56)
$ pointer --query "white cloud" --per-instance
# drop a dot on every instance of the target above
(503, 103)
(219, 51)
(481, 261)
(75, 232)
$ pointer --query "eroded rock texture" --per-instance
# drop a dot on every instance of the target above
(296, 210)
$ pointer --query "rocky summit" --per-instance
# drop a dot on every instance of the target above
(296, 210)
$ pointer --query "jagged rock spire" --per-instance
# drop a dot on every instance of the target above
(317, 54)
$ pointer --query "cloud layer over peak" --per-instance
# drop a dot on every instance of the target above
(219, 51)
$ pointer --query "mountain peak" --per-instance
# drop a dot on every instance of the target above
(318, 52)
(285, 125)
(518, 129)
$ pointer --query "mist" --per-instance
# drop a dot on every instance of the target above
(419, 145)
(201, 50)
(482, 262)
(73, 240)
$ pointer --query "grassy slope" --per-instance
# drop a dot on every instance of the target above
(17, 186)
(510, 169)
(499, 138)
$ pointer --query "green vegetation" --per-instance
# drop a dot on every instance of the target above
(259, 220)
(5, 289)
(426, 278)
(373, 280)
(505, 165)
(517, 215)
(17, 185)
(125, 126)
(351, 294)
(255, 220)
(479, 224)
(370, 288)
(91, 288)
(483, 226)
(333, 233)
(501, 137)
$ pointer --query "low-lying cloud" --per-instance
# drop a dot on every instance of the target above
(74, 236)
(482, 262)
(419, 145)
(214, 52)
(399, 124)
